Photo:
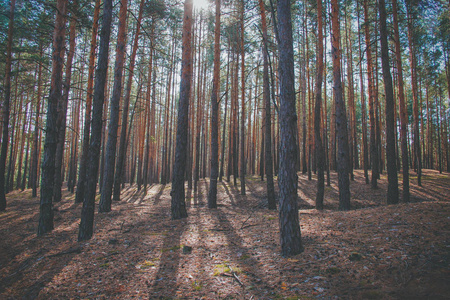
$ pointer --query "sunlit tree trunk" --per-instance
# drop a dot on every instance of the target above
(341, 116)
(320, 154)
(212, 195)
(290, 236)
(178, 205)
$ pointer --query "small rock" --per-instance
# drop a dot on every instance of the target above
(187, 249)
(113, 241)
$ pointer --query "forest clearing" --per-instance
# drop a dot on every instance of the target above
(374, 251)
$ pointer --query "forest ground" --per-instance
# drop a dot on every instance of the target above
(374, 251)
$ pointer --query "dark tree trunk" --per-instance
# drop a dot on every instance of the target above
(52, 125)
(87, 213)
(6, 103)
(267, 136)
(341, 115)
(242, 133)
(114, 111)
(35, 155)
(212, 196)
(290, 236)
(62, 109)
(320, 154)
(178, 205)
(392, 192)
(81, 185)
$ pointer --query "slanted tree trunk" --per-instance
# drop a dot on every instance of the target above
(81, 185)
(341, 115)
(320, 154)
(62, 109)
(392, 192)
(87, 213)
(6, 103)
(114, 111)
(403, 110)
(268, 122)
(290, 236)
(52, 125)
(212, 195)
(178, 204)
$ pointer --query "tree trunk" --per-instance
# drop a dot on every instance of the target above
(402, 104)
(62, 109)
(373, 144)
(268, 122)
(126, 103)
(114, 111)
(290, 236)
(87, 213)
(320, 154)
(341, 115)
(81, 185)
(242, 134)
(178, 204)
(6, 103)
(212, 196)
(52, 125)
(392, 192)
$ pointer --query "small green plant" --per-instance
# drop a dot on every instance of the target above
(196, 285)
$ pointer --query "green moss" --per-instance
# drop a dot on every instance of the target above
(196, 285)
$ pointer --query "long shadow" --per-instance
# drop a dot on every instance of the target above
(158, 196)
(227, 191)
(253, 267)
(165, 283)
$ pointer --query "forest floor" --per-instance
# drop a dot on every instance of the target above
(373, 251)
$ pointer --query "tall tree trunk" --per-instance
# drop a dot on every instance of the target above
(402, 104)
(341, 115)
(392, 192)
(87, 213)
(212, 196)
(52, 125)
(114, 111)
(178, 204)
(242, 134)
(62, 108)
(81, 185)
(36, 149)
(268, 122)
(320, 154)
(412, 60)
(126, 103)
(373, 144)
(222, 154)
(6, 103)
(290, 236)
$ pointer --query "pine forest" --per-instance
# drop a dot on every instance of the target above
(225, 149)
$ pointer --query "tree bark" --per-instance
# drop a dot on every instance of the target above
(242, 134)
(402, 104)
(52, 125)
(6, 103)
(178, 204)
(341, 115)
(62, 109)
(87, 213)
(290, 236)
(320, 154)
(268, 122)
(392, 192)
(114, 111)
(212, 196)
(81, 185)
